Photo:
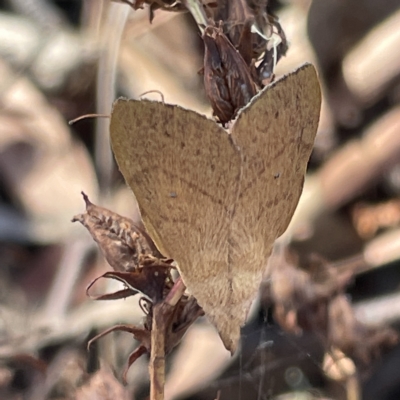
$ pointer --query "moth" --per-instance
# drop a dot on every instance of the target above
(216, 199)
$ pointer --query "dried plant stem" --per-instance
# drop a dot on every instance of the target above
(157, 357)
(161, 314)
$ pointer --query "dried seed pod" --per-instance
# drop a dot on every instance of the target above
(227, 78)
(122, 242)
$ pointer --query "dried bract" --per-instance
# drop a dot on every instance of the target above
(122, 242)
(255, 33)
(227, 78)
(152, 280)
(237, 18)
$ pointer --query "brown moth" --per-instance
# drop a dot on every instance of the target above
(215, 200)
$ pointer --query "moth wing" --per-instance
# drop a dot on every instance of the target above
(275, 134)
(184, 171)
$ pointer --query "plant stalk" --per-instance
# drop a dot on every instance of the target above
(157, 356)
(161, 314)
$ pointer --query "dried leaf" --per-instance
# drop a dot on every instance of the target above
(215, 201)
(150, 280)
(122, 242)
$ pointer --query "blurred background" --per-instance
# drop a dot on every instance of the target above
(61, 59)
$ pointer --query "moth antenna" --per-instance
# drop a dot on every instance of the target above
(154, 91)
(80, 118)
